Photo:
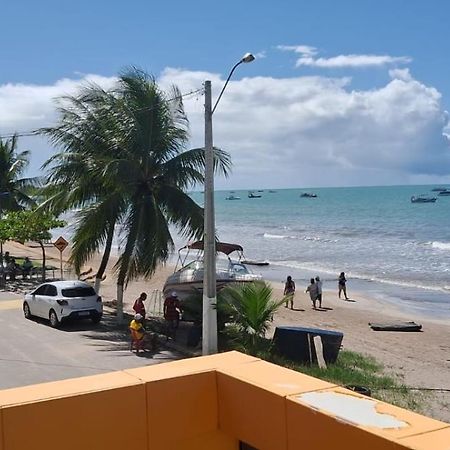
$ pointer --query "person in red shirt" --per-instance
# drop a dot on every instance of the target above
(139, 307)
(172, 310)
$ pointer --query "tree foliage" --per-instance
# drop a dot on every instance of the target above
(252, 309)
(124, 157)
(14, 189)
(27, 225)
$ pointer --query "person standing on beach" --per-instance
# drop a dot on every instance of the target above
(172, 311)
(341, 285)
(139, 307)
(319, 291)
(289, 291)
(312, 289)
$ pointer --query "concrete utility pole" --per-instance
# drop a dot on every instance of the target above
(209, 330)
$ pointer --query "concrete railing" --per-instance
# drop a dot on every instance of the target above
(208, 403)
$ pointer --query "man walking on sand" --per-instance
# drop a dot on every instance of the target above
(319, 291)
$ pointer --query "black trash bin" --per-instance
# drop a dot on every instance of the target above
(296, 343)
(194, 336)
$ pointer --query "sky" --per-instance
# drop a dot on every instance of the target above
(341, 93)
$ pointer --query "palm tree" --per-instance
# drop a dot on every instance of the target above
(128, 146)
(13, 188)
(84, 132)
(252, 309)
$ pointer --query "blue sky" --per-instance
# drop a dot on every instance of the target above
(359, 72)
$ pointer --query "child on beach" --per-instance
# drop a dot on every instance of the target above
(341, 285)
(289, 291)
(312, 289)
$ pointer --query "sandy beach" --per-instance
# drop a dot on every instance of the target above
(421, 360)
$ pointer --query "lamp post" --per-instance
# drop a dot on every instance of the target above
(209, 330)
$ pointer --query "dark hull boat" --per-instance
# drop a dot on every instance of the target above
(423, 199)
(308, 195)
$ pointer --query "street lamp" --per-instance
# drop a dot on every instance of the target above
(209, 330)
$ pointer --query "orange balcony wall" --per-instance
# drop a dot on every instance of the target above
(71, 413)
(208, 403)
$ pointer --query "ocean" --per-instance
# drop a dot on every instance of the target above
(389, 248)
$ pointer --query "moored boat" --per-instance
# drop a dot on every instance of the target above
(423, 198)
(253, 195)
(308, 195)
(444, 193)
(232, 197)
(439, 189)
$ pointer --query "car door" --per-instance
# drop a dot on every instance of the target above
(37, 298)
(48, 300)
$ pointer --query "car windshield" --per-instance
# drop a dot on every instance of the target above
(78, 292)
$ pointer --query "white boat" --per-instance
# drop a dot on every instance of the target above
(423, 198)
(189, 279)
(251, 194)
(232, 197)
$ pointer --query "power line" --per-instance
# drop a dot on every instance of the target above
(150, 108)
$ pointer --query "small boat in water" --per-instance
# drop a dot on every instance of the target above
(423, 198)
(232, 197)
(272, 192)
(253, 262)
(308, 195)
(253, 195)
(446, 192)
(439, 189)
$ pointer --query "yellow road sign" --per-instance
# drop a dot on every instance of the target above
(61, 244)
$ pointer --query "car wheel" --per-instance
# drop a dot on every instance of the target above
(54, 321)
(26, 311)
(96, 318)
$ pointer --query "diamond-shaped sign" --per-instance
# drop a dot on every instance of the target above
(61, 244)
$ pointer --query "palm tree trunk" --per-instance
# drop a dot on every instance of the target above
(43, 261)
(119, 308)
(105, 258)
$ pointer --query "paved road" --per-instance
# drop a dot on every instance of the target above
(33, 352)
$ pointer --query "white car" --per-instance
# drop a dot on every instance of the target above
(61, 300)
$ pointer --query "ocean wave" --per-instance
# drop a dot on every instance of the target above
(312, 267)
(274, 236)
(441, 245)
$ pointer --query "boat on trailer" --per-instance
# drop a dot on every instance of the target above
(188, 280)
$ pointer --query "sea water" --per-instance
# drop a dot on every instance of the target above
(388, 247)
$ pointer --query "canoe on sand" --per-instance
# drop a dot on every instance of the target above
(395, 326)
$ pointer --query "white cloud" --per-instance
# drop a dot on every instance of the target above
(308, 58)
(288, 132)
(261, 55)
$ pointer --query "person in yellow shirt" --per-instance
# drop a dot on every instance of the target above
(140, 338)
(137, 333)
